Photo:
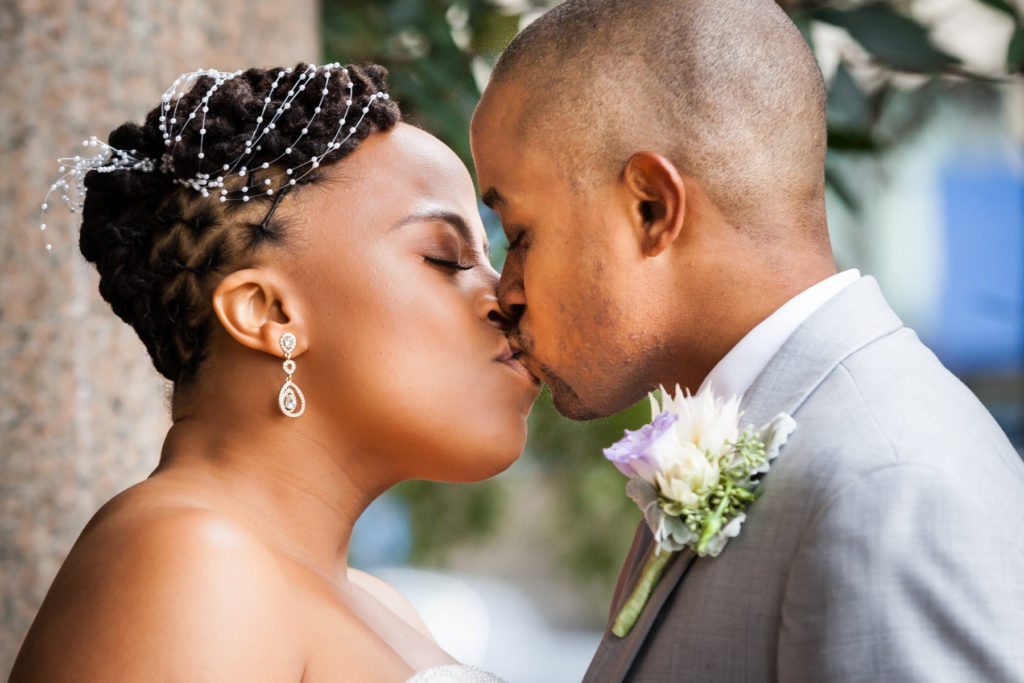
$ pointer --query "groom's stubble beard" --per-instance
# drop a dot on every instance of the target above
(565, 398)
(570, 404)
(625, 370)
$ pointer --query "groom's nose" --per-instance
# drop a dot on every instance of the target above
(511, 296)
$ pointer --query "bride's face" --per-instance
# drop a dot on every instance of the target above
(407, 361)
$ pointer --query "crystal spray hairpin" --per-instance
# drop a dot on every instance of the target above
(71, 183)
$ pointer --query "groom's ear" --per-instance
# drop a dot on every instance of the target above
(658, 194)
(255, 307)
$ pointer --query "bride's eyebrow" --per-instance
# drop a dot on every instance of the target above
(450, 217)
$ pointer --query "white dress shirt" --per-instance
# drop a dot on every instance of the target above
(738, 369)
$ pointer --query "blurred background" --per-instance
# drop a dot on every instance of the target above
(926, 193)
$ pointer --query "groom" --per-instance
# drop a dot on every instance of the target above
(658, 169)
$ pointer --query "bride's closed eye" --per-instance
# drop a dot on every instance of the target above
(447, 250)
(444, 263)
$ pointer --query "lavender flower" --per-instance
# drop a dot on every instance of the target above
(639, 453)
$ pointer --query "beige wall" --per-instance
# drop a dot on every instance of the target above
(82, 412)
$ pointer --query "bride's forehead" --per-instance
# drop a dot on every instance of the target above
(401, 172)
(408, 151)
(408, 166)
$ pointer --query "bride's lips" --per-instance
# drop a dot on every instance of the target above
(510, 357)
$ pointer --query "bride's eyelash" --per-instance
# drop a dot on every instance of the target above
(446, 264)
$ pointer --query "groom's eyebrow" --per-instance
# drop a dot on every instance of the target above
(492, 198)
(451, 218)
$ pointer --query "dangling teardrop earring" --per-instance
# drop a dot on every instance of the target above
(290, 399)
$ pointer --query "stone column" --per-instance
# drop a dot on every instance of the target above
(82, 412)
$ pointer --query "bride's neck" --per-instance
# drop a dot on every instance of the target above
(299, 495)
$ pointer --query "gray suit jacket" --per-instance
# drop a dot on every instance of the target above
(888, 544)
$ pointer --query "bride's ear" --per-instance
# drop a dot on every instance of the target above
(255, 307)
(658, 193)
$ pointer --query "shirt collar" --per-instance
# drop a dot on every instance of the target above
(738, 369)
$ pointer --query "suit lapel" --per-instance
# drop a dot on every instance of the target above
(853, 319)
(616, 655)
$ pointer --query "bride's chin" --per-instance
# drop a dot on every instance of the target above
(480, 445)
(504, 464)
(481, 467)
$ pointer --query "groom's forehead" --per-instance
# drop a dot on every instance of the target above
(526, 137)
(514, 162)
(526, 183)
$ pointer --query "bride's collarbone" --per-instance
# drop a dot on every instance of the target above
(361, 622)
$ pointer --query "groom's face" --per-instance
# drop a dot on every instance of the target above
(569, 283)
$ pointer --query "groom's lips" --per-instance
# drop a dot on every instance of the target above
(511, 357)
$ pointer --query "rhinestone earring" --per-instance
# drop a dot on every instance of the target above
(290, 399)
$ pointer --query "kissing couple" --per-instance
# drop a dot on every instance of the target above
(312, 275)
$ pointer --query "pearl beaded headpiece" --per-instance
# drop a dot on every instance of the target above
(213, 181)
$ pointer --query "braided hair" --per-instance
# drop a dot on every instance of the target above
(161, 247)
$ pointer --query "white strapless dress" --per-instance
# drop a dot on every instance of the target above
(455, 673)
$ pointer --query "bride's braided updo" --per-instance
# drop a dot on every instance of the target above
(163, 234)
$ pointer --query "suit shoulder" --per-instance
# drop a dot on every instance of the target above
(895, 399)
(893, 405)
(925, 412)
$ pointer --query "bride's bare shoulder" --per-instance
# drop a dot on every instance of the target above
(152, 577)
(156, 528)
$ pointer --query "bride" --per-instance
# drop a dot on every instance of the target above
(312, 275)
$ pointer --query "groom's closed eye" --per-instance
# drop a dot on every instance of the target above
(492, 198)
(517, 241)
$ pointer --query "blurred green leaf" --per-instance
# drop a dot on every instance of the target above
(835, 179)
(596, 521)
(847, 141)
(851, 115)
(804, 22)
(849, 110)
(904, 111)
(1002, 6)
(492, 31)
(442, 515)
(1015, 53)
(893, 38)
(430, 74)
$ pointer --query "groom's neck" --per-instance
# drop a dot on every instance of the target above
(750, 295)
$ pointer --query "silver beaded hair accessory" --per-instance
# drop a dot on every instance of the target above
(173, 123)
(71, 183)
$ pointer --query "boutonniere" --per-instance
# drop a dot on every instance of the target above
(693, 473)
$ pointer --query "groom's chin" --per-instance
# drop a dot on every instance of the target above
(569, 404)
(568, 401)
(595, 406)
(578, 413)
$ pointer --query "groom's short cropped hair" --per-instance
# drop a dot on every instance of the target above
(728, 89)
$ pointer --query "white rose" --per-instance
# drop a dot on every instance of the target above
(687, 475)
